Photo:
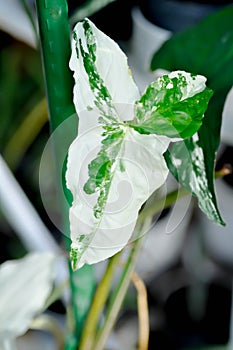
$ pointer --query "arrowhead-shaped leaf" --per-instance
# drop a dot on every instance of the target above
(206, 49)
(112, 168)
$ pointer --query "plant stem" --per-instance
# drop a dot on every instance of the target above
(56, 50)
(160, 204)
(226, 170)
(143, 224)
(49, 324)
(122, 286)
(143, 312)
(98, 303)
(115, 303)
(117, 298)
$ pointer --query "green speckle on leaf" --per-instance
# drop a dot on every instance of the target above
(164, 108)
(103, 100)
(122, 165)
(74, 258)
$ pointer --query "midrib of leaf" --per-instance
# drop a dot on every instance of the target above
(100, 206)
(100, 177)
(111, 124)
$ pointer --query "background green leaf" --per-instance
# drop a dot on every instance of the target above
(207, 49)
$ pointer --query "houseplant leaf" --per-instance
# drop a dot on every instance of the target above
(173, 105)
(104, 95)
(25, 285)
(112, 168)
(188, 50)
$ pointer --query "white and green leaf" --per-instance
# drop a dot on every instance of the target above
(113, 165)
(25, 286)
(174, 105)
(101, 73)
(186, 162)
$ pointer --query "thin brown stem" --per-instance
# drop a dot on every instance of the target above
(143, 312)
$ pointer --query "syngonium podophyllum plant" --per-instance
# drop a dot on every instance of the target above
(122, 138)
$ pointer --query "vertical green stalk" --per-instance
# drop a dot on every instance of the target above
(87, 341)
(119, 293)
(55, 48)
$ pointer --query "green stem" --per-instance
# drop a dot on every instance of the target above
(82, 287)
(143, 224)
(162, 203)
(121, 288)
(56, 50)
(119, 294)
(97, 306)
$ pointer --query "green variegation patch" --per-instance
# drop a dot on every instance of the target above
(186, 163)
(169, 108)
(102, 168)
(101, 93)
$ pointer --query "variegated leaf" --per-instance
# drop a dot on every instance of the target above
(112, 168)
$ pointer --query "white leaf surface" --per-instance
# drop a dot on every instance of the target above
(25, 285)
(145, 171)
(110, 66)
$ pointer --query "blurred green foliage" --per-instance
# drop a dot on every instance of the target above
(21, 87)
